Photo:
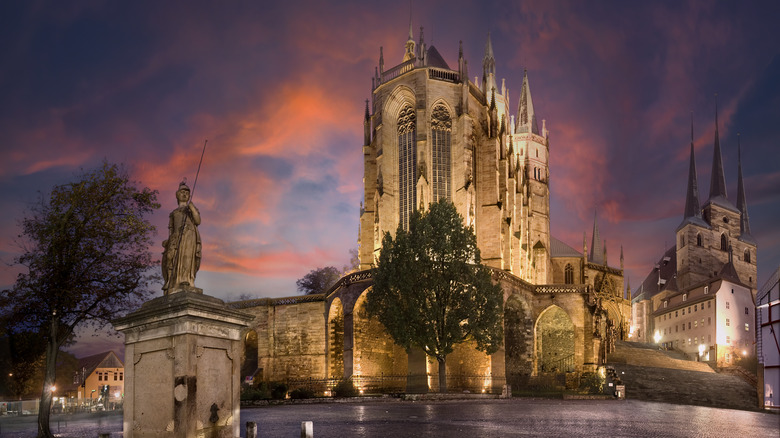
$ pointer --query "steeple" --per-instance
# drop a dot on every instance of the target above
(410, 53)
(367, 127)
(596, 250)
(744, 222)
(718, 177)
(692, 212)
(526, 118)
(488, 68)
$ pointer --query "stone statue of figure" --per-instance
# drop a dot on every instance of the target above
(181, 257)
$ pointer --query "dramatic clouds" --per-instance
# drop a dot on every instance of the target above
(278, 89)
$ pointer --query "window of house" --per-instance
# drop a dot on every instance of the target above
(728, 322)
(569, 274)
(727, 304)
(709, 304)
(683, 326)
(441, 144)
(115, 376)
(698, 240)
(407, 163)
(675, 314)
(695, 324)
(685, 297)
(702, 322)
(682, 241)
(695, 307)
(728, 339)
(728, 358)
(723, 243)
(665, 303)
(696, 340)
(747, 256)
(100, 377)
(747, 327)
(121, 375)
(683, 312)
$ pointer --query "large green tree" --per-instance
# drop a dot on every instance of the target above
(86, 250)
(430, 290)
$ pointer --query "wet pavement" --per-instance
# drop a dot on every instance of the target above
(461, 418)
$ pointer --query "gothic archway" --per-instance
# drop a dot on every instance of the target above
(336, 339)
(249, 364)
(554, 341)
(376, 357)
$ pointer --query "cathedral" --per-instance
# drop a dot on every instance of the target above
(700, 296)
(432, 133)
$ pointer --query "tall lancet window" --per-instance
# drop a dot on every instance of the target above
(407, 163)
(441, 130)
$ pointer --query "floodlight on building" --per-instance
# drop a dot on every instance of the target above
(657, 336)
(701, 349)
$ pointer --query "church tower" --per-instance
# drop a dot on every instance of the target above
(433, 134)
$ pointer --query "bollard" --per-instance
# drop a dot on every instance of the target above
(251, 429)
(307, 429)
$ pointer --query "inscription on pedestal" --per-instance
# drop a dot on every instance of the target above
(153, 409)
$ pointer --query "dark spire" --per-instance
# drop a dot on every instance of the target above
(488, 67)
(744, 222)
(692, 208)
(367, 127)
(596, 251)
(718, 177)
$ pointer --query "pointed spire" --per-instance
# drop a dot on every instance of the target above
(526, 118)
(692, 208)
(367, 127)
(718, 177)
(488, 67)
(621, 257)
(410, 53)
(744, 222)
(596, 251)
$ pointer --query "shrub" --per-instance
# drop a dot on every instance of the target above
(278, 390)
(592, 383)
(345, 388)
(301, 393)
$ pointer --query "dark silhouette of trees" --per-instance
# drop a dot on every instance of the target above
(86, 250)
(318, 280)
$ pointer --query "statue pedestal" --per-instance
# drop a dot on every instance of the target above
(182, 364)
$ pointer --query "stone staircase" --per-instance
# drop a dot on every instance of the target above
(656, 375)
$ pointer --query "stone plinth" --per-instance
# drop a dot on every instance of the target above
(182, 365)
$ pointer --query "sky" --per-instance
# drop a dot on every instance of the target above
(278, 89)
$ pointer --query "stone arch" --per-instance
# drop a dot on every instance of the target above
(335, 328)
(554, 341)
(250, 357)
(375, 354)
(518, 344)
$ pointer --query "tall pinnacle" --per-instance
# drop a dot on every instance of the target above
(488, 68)
(692, 198)
(718, 177)
(596, 250)
(744, 222)
(526, 118)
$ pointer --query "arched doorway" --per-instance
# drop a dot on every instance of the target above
(249, 365)
(336, 339)
(518, 344)
(378, 360)
(554, 341)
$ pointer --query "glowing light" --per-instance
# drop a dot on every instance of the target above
(53, 388)
(701, 349)
(657, 336)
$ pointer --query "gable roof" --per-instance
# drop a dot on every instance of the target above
(560, 249)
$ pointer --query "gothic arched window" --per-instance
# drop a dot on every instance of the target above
(747, 256)
(407, 164)
(441, 143)
(569, 274)
(698, 240)
(724, 246)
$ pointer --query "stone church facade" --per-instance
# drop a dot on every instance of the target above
(431, 133)
(700, 296)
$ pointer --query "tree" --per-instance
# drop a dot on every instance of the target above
(86, 250)
(430, 291)
(318, 280)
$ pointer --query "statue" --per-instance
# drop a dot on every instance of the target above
(181, 257)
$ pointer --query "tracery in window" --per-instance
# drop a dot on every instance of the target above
(407, 164)
(441, 144)
(569, 274)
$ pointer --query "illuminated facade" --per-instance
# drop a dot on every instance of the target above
(99, 382)
(768, 347)
(712, 264)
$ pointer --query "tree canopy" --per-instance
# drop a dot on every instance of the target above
(318, 280)
(430, 291)
(86, 250)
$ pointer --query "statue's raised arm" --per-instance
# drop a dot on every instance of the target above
(182, 254)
